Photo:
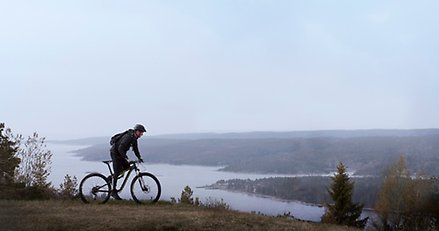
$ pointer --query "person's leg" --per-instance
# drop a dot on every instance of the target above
(117, 168)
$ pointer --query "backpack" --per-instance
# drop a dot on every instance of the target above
(114, 139)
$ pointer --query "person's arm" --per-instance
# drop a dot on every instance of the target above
(136, 150)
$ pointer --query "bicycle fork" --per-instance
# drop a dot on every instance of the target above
(143, 186)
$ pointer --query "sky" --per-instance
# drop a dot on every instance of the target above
(85, 68)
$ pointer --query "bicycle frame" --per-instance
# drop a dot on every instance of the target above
(133, 166)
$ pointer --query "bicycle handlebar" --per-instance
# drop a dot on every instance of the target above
(129, 162)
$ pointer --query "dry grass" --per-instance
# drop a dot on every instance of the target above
(74, 215)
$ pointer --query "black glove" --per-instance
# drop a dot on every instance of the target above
(140, 160)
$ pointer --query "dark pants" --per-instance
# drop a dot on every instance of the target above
(119, 165)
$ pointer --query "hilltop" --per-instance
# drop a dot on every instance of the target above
(74, 215)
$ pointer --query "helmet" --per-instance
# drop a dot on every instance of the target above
(139, 127)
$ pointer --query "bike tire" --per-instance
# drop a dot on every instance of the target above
(95, 189)
(148, 194)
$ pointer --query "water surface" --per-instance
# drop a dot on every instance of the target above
(174, 178)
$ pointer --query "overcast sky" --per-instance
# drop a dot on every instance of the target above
(83, 68)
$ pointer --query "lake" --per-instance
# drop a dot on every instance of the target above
(174, 178)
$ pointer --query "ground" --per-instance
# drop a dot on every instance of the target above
(126, 215)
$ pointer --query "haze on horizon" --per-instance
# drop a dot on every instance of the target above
(74, 69)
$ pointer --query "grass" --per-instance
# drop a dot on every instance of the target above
(126, 215)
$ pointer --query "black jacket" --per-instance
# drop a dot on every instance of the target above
(124, 143)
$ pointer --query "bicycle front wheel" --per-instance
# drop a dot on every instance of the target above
(95, 189)
(145, 188)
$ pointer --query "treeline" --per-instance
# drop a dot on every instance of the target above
(309, 189)
(366, 155)
(25, 165)
(401, 200)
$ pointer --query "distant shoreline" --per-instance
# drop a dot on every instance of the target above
(367, 152)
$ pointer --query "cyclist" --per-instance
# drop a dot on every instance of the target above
(119, 150)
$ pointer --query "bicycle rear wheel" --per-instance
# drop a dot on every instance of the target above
(95, 188)
(145, 188)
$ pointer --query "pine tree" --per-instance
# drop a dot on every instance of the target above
(343, 211)
(69, 188)
(186, 196)
(8, 161)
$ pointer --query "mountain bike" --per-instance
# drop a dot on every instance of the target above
(96, 188)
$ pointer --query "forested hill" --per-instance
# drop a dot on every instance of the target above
(268, 135)
(364, 151)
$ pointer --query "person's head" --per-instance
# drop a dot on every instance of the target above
(139, 130)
